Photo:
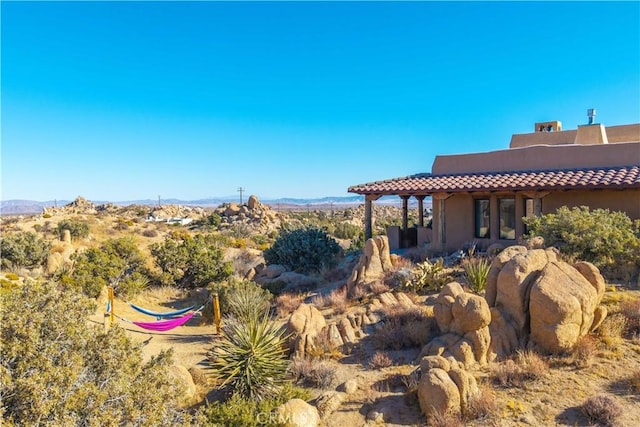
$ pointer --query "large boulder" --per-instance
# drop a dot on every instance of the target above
(438, 393)
(540, 302)
(296, 413)
(464, 320)
(374, 262)
(562, 306)
(303, 328)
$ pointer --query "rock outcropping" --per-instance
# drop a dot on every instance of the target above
(374, 262)
(463, 320)
(538, 301)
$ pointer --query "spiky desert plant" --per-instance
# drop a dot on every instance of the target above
(476, 271)
(251, 357)
(247, 300)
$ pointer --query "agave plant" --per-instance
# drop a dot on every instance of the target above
(251, 357)
(476, 271)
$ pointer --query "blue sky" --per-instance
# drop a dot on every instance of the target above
(130, 100)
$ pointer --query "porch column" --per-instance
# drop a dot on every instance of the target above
(439, 228)
(420, 210)
(368, 216)
(405, 212)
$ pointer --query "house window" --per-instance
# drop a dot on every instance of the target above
(482, 218)
(507, 218)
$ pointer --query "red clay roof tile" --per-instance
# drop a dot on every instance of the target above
(617, 177)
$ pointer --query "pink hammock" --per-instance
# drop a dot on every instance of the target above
(165, 325)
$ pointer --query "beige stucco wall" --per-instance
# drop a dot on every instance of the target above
(460, 224)
(627, 201)
(613, 134)
(540, 157)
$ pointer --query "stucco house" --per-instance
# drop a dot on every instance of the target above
(483, 197)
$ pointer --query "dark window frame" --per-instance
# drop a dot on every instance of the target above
(510, 219)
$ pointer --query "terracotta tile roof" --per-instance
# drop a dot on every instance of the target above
(617, 177)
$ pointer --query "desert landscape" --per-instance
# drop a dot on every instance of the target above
(372, 338)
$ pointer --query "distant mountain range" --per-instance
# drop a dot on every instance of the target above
(20, 207)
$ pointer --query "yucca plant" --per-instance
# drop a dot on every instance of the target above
(251, 357)
(246, 300)
(476, 271)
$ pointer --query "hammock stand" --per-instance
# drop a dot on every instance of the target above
(159, 316)
(163, 325)
(160, 325)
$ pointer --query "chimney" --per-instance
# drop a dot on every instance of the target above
(591, 114)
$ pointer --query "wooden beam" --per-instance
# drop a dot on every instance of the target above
(420, 210)
(405, 212)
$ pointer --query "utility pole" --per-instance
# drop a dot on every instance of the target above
(240, 190)
(158, 200)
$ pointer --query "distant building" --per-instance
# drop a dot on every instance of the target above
(483, 197)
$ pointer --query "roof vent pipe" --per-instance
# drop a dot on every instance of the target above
(591, 113)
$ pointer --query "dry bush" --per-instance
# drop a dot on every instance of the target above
(525, 366)
(438, 419)
(320, 301)
(481, 406)
(323, 349)
(379, 360)
(313, 373)
(334, 274)
(287, 303)
(399, 262)
(630, 309)
(602, 410)
(611, 329)
(403, 327)
(417, 254)
(336, 299)
(584, 351)
(150, 232)
(378, 288)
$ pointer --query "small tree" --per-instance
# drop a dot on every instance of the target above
(77, 229)
(190, 261)
(23, 249)
(306, 250)
(609, 240)
(117, 262)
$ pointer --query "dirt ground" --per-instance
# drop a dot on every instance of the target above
(552, 400)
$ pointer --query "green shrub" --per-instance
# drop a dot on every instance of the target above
(476, 271)
(115, 263)
(428, 276)
(78, 229)
(239, 411)
(23, 249)
(190, 262)
(609, 240)
(346, 230)
(305, 250)
(58, 369)
(251, 357)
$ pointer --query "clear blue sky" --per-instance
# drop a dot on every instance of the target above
(123, 100)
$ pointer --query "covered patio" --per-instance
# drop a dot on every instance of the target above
(488, 207)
